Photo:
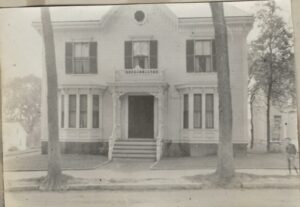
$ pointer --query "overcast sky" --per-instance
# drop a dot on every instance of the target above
(21, 45)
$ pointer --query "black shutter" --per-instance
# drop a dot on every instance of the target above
(69, 57)
(128, 54)
(190, 56)
(93, 58)
(153, 54)
(213, 46)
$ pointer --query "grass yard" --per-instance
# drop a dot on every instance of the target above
(250, 161)
(39, 162)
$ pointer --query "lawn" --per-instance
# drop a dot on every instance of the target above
(39, 162)
(250, 161)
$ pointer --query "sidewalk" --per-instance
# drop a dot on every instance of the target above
(130, 175)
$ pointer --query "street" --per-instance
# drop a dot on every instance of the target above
(199, 198)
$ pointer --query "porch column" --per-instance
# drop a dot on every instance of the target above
(116, 115)
(160, 98)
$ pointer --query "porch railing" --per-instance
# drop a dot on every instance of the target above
(138, 74)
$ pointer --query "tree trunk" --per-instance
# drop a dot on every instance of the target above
(53, 179)
(252, 124)
(268, 117)
(225, 166)
(296, 21)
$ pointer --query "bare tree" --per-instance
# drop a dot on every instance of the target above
(53, 181)
(225, 168)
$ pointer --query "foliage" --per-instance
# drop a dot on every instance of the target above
(271, 56)
(22, 103)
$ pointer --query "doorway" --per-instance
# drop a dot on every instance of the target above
(140, 117)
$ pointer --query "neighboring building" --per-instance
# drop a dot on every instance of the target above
(14, 136)
(283, 124)
(140, 81)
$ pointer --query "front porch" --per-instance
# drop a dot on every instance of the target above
(139, 107)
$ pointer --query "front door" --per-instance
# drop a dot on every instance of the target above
(140, 116)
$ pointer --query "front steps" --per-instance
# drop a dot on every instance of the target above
(140, 149)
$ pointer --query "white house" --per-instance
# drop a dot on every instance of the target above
(139, 80)
(14, 136)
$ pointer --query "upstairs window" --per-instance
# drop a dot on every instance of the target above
(81, 57)
(199, 56)
(142, 54)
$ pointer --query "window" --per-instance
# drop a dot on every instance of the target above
(185, 111)
(139, 16)
(95, 111)
(209, 111)
(81, 57)
(276, 128)
(197, 111)
(199, 56)
(142, 54)
(83, 111)
(72, 111)
(62, 111)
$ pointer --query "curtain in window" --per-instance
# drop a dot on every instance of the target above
(95, 111)
(81, 58)
(209, 104)
(141, 48)
(72, 111)
(200, 64)
(197, 111)
(83, 111)
(81, 50)
(202, 48)
(185, 111)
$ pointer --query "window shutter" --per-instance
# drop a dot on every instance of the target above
(69, 57)
(128, 54)
(153, 54)
(190, 56)
(93, 58)
(213, 46)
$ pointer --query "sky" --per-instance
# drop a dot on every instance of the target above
(21, 44)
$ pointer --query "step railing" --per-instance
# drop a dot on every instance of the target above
(111, 144)
(158, 149)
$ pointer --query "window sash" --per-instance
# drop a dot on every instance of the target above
(72, 111)
(141, 61)
(81, 49)
(83, 111)
(95, 111)
(185, 111)
(81, 57)
(197, 111)
(209, 111)
(203, 56)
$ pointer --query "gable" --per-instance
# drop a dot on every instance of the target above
(153, 15)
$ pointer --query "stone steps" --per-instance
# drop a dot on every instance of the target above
(141, 149)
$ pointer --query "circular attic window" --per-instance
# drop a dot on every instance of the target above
(139, 16)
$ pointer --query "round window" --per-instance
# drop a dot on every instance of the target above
(139, 16)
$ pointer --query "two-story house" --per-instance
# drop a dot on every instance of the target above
(139, 81)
